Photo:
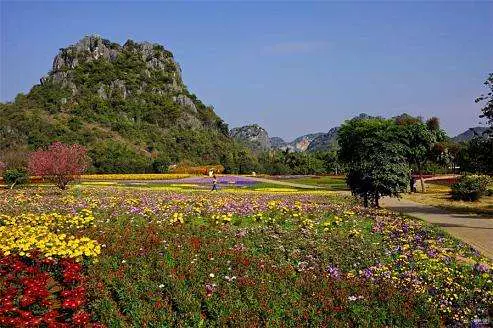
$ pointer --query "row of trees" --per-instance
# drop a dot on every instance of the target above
(381, 154)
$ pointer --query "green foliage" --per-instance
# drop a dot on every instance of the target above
(116, 157)
(375, 158)
(284, 162)
(477, 156)
(487, 101)
(15, 177)
(161, 164)
(470, 187)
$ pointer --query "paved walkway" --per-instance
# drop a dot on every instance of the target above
(471, 228)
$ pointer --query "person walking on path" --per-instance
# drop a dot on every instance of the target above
(214, 182)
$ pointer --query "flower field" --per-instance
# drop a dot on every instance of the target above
(122, 257)
(140, 177)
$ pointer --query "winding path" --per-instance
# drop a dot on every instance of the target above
(473, 229)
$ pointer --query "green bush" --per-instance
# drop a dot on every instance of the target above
(14, 177)
(470, 187)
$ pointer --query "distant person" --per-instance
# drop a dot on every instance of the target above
(214, 182)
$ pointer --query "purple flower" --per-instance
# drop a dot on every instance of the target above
(432, 253)
(334, 272)
(481, 267)
(367, 273)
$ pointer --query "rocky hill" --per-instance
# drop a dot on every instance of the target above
(470, 133)
(326, 141)
(277, 142)
(126, 103)
(253, 136)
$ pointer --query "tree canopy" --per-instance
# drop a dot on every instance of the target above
(375, 158)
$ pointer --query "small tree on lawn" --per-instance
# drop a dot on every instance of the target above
(60, 163)
(375, 159)
(419, 139)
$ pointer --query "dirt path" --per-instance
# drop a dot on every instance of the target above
(472, 229)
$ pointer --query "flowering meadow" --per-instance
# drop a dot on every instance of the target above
(107, 256)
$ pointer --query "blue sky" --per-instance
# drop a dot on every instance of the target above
(292, 67)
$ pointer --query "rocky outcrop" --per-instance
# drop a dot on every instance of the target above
(277, 143)
(157, 66)
(470, 133)
(325, 141)
(185, 102)
(253, 136)
(299, 144)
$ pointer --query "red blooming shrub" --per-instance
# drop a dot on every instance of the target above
(37, 292)
(60, 163)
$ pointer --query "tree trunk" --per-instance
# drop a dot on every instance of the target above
(377, 198)
(365, 200)
(420, 173)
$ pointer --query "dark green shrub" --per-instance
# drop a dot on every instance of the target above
(15, 177)
(470, 187)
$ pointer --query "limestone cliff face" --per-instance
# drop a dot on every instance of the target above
(325, 141)
(253, 136)
(127, 70)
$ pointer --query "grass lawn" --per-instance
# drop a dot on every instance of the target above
(118, 256)
(328, 182)
(439, 195)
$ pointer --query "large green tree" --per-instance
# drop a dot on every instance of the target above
(376, 165)
(419, 139)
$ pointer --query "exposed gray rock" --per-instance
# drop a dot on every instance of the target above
(277, 142)
(158, 61)
(470, 133)
(119, 86)
(185, 102)
(298, 144)
(325, 141)
(253, 136)
(102, 92)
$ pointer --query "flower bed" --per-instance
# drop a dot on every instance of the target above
(113, 177)
(258, 259)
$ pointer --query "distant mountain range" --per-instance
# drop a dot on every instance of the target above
(257, 138)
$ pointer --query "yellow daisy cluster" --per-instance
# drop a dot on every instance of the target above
(152, 176)
(177, 217)
(44, 232)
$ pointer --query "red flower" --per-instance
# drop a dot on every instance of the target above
(81, 318)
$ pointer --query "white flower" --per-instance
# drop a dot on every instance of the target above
(211, 275)
(123, 261)
(352, 298)
(161, 286)
(104, 245)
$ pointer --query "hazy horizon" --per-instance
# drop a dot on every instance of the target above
(292, 68)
